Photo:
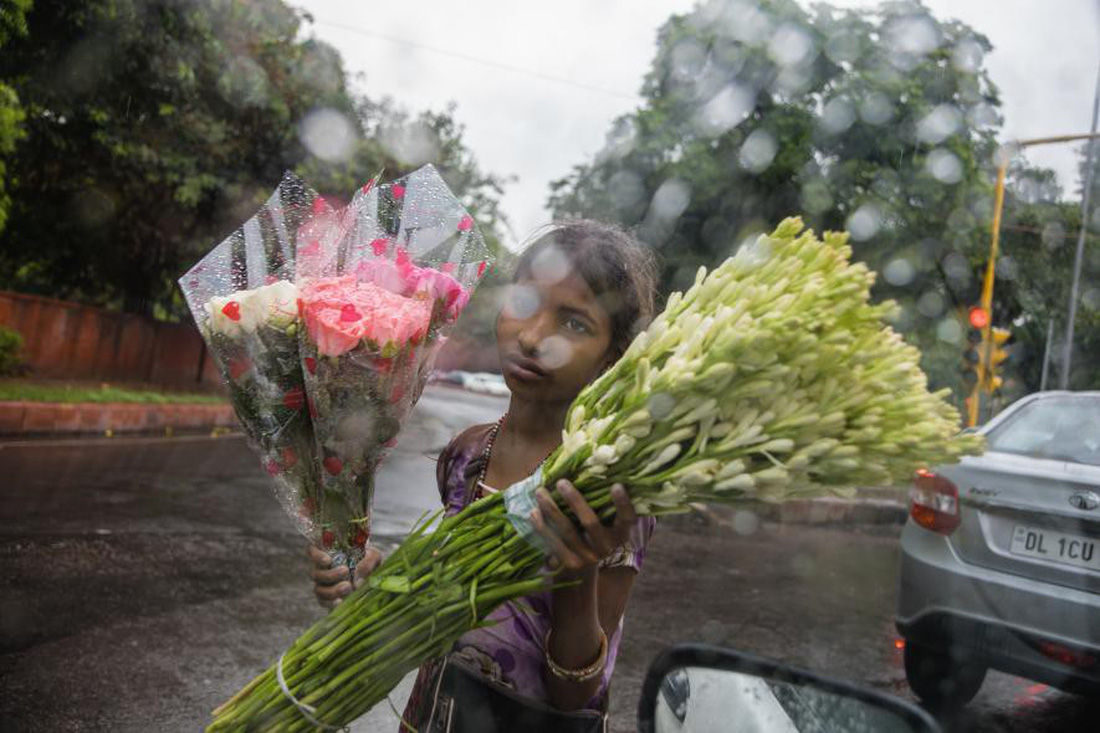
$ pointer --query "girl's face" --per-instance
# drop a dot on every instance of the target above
(553, 337)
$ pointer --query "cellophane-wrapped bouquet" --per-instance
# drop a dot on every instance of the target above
(772, 377)
(243, 298)
(376, 303)
(325, 324)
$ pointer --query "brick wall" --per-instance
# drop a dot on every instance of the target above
(64, 340)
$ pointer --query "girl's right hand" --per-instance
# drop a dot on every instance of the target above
(330, 584)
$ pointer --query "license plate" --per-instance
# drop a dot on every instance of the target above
(1047, 544)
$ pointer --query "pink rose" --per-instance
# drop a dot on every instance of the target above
(385, 274)
(441, 286)
(339, 312)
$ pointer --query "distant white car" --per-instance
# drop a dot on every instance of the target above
(485, 383)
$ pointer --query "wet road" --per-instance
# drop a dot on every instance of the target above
(143, 581)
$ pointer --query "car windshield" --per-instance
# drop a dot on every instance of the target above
(287, 286)
(1062, 429)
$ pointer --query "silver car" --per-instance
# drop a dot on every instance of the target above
(1000, 557)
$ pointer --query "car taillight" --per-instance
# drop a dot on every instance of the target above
(1067, 656)
(934, 502)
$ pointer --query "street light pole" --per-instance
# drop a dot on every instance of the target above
(1067, 348)
(1046, 356)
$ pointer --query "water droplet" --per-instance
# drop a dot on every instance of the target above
(726, 109)
(550, 266)
(670, 200)
(837, 115)
(913, 34)
(660, 404)
(843, 47)
(687, 59)
(967, 56)
(939, 124)
(899, 272)
(944, 166)
(746, 523)
(328, 134)
(627, 189)
(864, 222)
(930, 304)
(790, 45)
(957, 268)
(1054, 235)
(758, 151)
(950, 331)
(414, 143)
(982, 115)
(555, 352)
(876, 109)
(520, 301)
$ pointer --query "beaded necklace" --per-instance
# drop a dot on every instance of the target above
(482, 489)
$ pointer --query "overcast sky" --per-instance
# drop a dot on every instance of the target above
(520, 122)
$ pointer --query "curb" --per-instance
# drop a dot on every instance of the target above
(824, 511)
(55, 418)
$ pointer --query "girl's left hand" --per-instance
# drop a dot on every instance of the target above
(580, 551)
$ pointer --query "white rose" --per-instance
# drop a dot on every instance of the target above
(247, 310)
(278, 301)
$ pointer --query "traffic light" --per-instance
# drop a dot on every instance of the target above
(972, 361)
(979, 317)
(997, 354)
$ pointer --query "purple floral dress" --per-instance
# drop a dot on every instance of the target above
(511, 651)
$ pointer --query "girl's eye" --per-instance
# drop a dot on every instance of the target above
(576, 325)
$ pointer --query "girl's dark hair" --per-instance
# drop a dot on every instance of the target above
(618, 268)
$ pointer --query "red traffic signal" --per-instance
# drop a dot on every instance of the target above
(979, 317)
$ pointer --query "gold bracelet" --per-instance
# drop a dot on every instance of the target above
(577, 675)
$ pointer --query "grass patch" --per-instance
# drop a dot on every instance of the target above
(39, 392)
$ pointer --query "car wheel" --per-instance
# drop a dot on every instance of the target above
(942, 680)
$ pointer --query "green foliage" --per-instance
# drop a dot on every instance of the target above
(155, 127)
(13, 23)
(1038, 243)
(11, 346)
(880, 122)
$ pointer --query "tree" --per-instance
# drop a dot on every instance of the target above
(1038, 241)
(13, 24)
(155, 127)
(880, 122)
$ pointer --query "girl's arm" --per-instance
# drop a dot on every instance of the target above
(585, 614)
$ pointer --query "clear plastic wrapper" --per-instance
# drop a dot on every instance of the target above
(377, 296)
(244, 301)
(325, 325)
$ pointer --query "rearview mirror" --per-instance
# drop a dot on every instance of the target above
(697, 688)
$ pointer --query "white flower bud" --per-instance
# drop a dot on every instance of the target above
(743, 482)
(668, 454)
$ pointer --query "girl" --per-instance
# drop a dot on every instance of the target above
(580, 294)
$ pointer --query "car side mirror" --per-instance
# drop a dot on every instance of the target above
(698, 688)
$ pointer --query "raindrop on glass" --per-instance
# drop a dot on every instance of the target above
(899, 272)
(944, 166)
(939, 124)
(876, 109)
(328, 134)
(930, 304)
(864, 222)
(758, 151)
(949, 331)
